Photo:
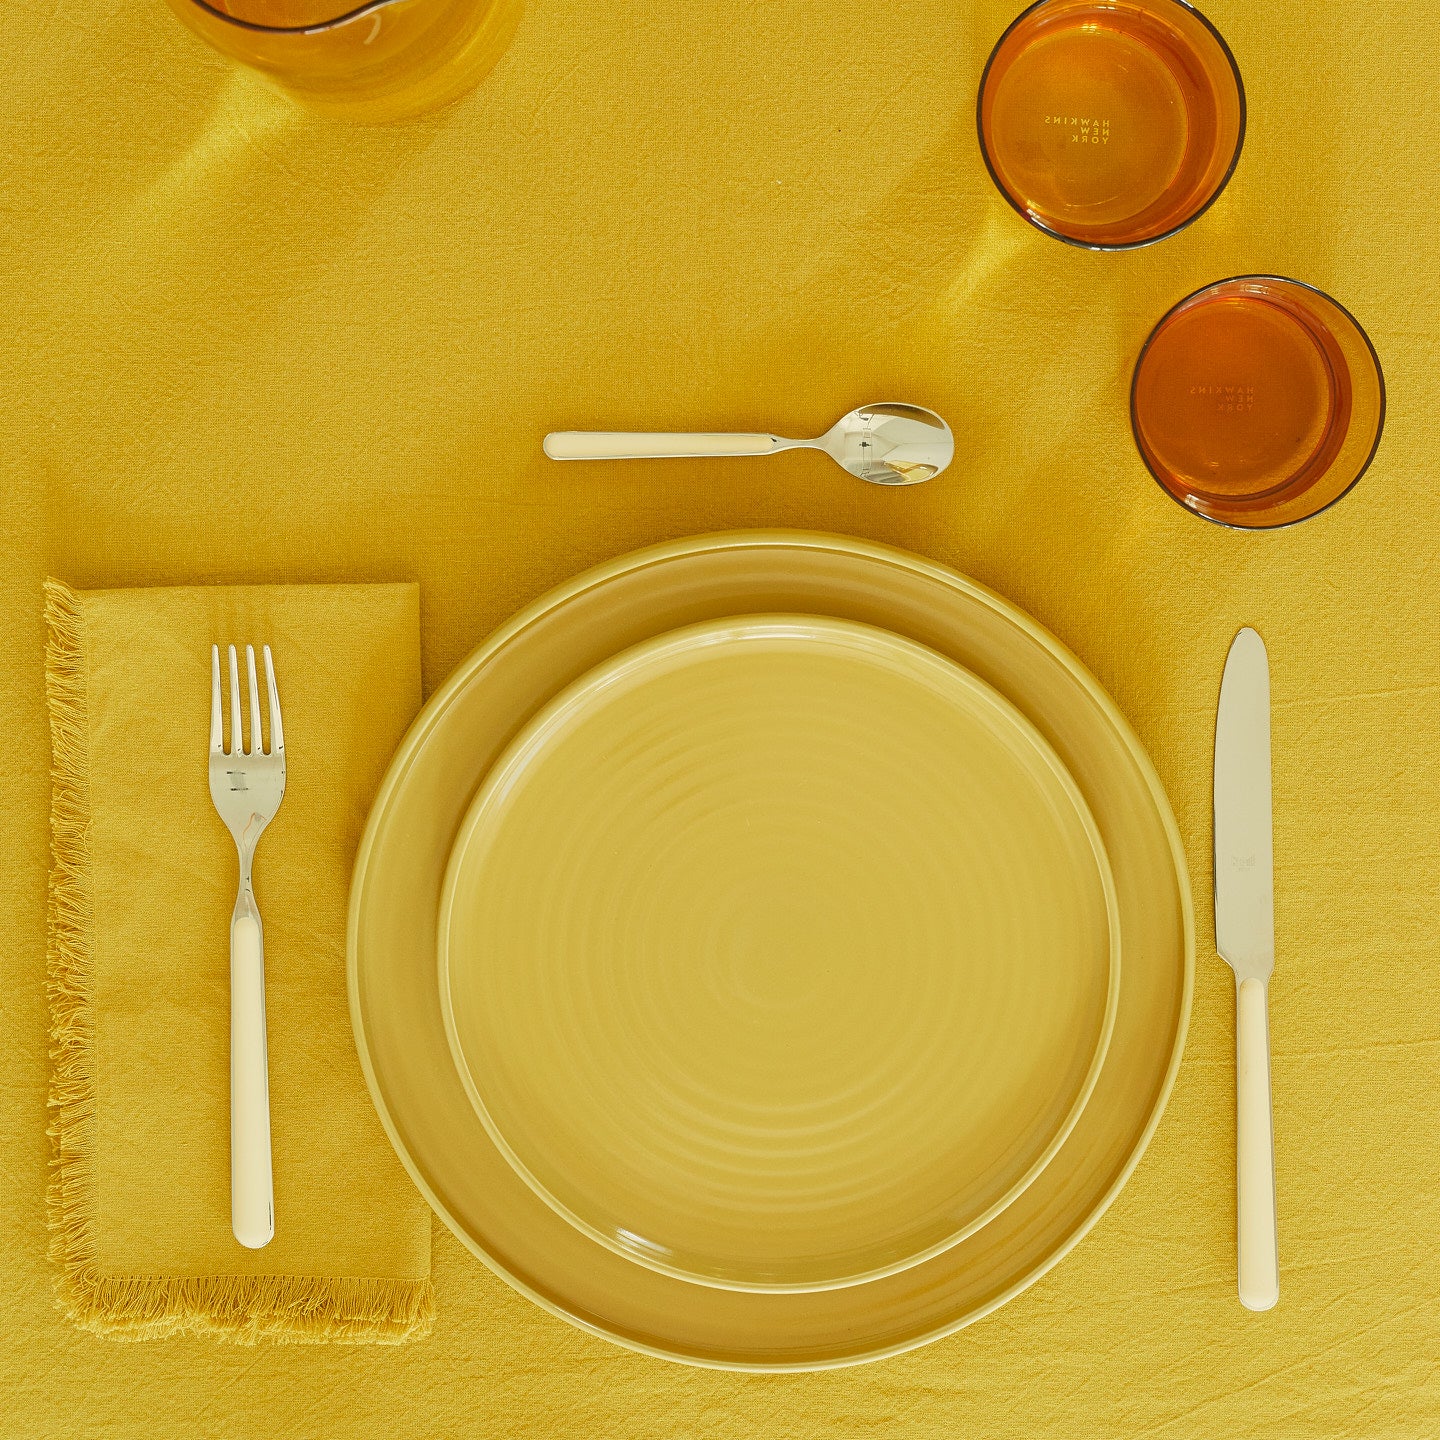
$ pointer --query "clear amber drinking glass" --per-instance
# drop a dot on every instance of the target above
(1111, 123)
(381, 60)
(1258, 401)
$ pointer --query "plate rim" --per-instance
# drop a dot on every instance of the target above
(701, 633)
(772, 538)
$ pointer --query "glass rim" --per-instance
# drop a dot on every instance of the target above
(314, 27)
(1379, 417)
(1100, 245)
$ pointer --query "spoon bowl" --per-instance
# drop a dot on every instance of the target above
(890, 444)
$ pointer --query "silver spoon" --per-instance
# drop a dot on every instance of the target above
(885, 444)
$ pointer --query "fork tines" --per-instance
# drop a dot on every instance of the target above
(237, 740)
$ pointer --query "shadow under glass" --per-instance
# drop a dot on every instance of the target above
(360, 59)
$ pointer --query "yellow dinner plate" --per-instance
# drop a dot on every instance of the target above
(778, 953)
(395, 997)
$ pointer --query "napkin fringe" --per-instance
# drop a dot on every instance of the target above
(69, 968)
(246, 1309)
(240, 1308)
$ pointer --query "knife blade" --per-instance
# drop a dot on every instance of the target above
(1245, 938)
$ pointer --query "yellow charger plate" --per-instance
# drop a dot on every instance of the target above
(779, 953)
(395, 1000)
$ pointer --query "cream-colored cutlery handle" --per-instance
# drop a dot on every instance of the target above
(617, 445)
(252, 1199)
(1255, 1230)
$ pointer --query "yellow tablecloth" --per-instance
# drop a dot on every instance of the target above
(245, 345)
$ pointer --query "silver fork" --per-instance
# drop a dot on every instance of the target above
(247, 786)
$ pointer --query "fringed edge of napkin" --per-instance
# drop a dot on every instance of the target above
(246, 1309)
(242, 1309)
(69, 972)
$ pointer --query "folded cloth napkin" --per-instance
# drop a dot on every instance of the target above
(142, 886)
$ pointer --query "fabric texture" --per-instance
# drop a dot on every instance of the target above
(142, 883)
(243, 345)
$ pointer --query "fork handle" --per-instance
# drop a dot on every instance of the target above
(252, 1198)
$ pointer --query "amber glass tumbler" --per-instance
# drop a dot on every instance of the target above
(1258, 402)
(1111, 123)
(382, 60)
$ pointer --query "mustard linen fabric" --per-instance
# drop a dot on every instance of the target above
(143, 887)
(247, 346)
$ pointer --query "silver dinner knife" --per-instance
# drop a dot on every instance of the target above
(1245, 938)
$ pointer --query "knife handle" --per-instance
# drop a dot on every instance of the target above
(1255, 1228)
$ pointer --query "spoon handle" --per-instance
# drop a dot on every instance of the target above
(617, 445)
